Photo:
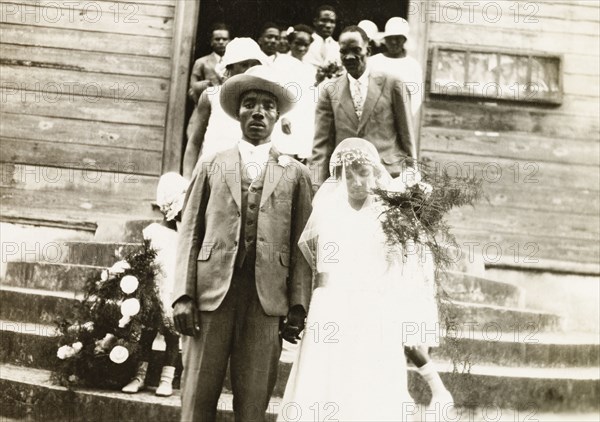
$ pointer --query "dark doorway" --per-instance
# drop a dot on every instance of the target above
(246, 17)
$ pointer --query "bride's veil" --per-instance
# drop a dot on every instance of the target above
(331, 204)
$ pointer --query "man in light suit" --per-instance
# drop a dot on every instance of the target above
(365, 104)
(241, 282)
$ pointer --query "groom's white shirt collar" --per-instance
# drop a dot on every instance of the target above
(252, 155)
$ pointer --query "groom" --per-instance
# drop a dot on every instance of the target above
(241, 282)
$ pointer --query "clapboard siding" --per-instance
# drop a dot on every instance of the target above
(92, 109)
(77, 156)
(539, 121)
(85, 88)
(85, 61)
(503, 15)
(511, 145)
(76, 41)
(519, 221)
(87, 84)
(517, 172)
(473, 35)
(122, 9)
(91, 20)
(527, 249)
(553, 201)
(72, 131)
(524, 10)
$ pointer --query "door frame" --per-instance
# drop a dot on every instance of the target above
(418, 21)
(184, 42)
(185, 26)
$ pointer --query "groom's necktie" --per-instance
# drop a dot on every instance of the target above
(357, 98)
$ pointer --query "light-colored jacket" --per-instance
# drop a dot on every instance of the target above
(210, 233)
(386, 122)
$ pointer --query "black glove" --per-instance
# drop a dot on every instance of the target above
(186, 317)
(293, 324)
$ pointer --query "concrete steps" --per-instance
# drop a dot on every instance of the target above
(34, 345)
(467, 288)
(33, 304)
(102, 254)
(505, 355)
(80, 260)
(481, 388)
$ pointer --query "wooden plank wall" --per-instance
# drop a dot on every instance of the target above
(85, 82)
(540, 163)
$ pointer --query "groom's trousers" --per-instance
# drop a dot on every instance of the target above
(239, 332)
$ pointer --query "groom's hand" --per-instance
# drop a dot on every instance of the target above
(293, 324)
(186, 317)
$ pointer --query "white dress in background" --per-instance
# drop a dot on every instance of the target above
(300, 78)
(223, 132)
(408, 70)
(164, 240)
(351, 365)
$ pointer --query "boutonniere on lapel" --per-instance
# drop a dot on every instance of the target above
(285, 160)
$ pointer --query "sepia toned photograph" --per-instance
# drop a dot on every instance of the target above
(299, 210)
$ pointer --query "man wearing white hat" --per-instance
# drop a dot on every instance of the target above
(213, 130)
(397, 62)
(241, 284)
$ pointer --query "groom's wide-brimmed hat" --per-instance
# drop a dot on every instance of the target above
(259, 78)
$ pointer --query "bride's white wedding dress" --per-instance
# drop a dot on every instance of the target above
(368, 298)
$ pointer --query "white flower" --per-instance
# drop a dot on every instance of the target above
(104, 275)
(65, 352)
(285, 160)
(119, 267)
(426, 188)
(411, 176)
(124, 321)
(77, 346)
(107, 342)
(119, 354)
(174, 207)
(170, 194)
(397, 185)
(129, 284)
(130, 307)
(88, 326)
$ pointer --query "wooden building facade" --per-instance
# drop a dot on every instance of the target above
(93, 109)
(540, 161)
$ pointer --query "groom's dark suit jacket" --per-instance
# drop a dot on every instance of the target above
(386, 122)
(209, 238)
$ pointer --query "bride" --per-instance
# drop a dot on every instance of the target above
(351, 365)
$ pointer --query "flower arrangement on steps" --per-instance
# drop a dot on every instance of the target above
(105, 344)
(108, 342)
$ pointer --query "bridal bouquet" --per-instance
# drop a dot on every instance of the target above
(98, 347)
(416, 205)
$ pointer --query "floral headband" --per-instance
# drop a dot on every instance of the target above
(347, 157)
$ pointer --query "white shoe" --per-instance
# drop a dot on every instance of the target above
(137, 382)
(133, 387)
(165, 386)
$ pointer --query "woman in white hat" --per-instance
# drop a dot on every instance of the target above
(396, 60)
(214, 130)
